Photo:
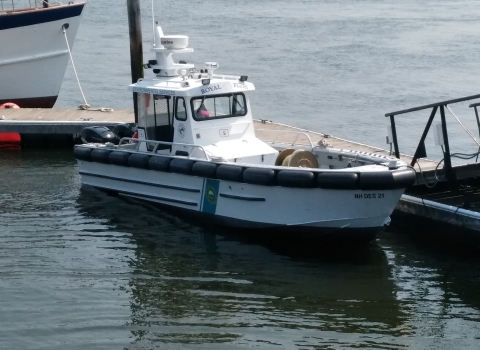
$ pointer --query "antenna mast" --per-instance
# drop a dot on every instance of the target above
(153, 26)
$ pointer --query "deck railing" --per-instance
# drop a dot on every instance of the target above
(283, 132)
(157, 144)
(420, 151)
(12, 5)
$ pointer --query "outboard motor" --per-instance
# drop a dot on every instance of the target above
(125, 130)
(98, 134)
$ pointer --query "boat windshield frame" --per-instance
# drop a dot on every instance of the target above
(202, 114)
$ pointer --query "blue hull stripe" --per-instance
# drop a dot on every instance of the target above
(29, 18)
(194, 190)
(164, 199)
(243, 198)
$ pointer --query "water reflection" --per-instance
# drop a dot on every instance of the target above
(85, 263)
(194, 285)
(436, 288)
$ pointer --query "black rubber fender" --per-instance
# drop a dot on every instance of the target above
(204, 169)
(159, 163)
(137, 160)
(230, 173)
(296, 178)
(403, 178)
(338, 180)
(259, 176)
(83, 153)
(100, 155)
(181, 166)
(378, 180)
(119, 158)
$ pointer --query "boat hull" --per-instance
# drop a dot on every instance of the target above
(34, 54)
(307, 212)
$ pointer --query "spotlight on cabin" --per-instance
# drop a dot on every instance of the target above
(205, 81)
(243, 78)
(211, 65)
(156, 71)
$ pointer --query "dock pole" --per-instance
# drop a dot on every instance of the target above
(136, 49)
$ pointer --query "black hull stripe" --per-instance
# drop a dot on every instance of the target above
(251, 199)
(32, 17)
(193, 190)
(164, 199)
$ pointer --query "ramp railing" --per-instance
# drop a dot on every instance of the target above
(420, 150)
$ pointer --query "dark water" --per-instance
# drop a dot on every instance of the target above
(81, 269)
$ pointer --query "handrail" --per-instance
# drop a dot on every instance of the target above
(432, 105)
(420, 151)
(298, 133)
(157, 143)
(37, 4)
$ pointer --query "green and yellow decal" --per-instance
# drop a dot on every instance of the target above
(210, 196)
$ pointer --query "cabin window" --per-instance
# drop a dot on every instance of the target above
(180, 109)
(219, 106)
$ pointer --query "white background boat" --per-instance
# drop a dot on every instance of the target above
(34, 53)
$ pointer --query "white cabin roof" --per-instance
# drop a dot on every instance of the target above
(178, 86)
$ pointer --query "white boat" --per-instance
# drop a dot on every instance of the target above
(34, 53)
(197, 152)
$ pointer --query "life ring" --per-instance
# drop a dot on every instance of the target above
(7, 105)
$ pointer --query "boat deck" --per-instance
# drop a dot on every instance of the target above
(267, 131)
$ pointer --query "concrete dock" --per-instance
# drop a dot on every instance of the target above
(59, 121)
(38, 126)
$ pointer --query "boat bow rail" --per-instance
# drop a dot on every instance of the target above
(138, 143)
(279, 133)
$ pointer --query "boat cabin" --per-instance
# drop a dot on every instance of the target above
(196, 113)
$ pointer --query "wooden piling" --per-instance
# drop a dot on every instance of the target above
(136, 49)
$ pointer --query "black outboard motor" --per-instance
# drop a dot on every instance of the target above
(98, 134)
(125, 130)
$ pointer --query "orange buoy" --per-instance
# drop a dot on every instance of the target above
(9, 105)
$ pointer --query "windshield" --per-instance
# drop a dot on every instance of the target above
(219, 106)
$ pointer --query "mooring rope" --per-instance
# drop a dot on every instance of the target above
(64, 27)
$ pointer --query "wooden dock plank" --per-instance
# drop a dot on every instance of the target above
(65, 115)
(53, 121)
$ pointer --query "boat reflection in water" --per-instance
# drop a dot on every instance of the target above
(191, 285)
